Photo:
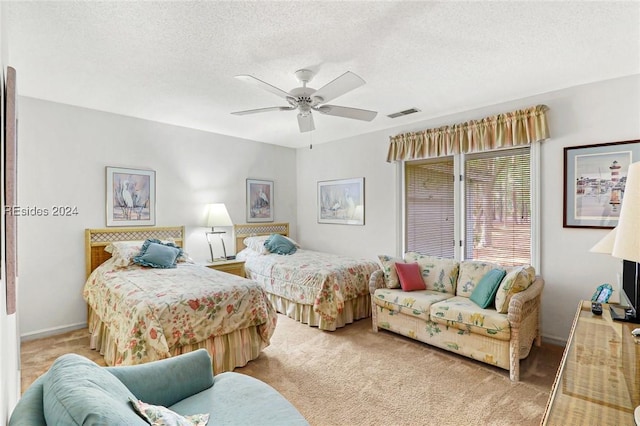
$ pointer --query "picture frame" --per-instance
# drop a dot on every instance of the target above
(260, 198)
(131, 197)
(341, 201)
(594, 179)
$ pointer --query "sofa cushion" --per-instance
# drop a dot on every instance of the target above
(409, 276)
(484, 294)
(79, 391)
(516, 280)
(417, 303)
(471, 272)
(388, 264)
(462, 313)
(439, 274)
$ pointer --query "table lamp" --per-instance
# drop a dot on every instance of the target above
(217, 215)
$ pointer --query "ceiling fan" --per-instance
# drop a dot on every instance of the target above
(305, 99)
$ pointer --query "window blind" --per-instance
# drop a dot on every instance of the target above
(430, 207)
(498, 207)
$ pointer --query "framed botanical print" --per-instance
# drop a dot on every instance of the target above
(594, 182)
(131, 197)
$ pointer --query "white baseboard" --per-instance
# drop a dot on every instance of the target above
(558, 341)
(51, 331)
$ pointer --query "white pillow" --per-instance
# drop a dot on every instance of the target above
(257, 243)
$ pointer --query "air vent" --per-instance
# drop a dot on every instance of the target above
(405, 112)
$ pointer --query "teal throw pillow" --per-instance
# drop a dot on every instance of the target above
(77, 391)
(278, 244)
(484, 293)
(157, 254)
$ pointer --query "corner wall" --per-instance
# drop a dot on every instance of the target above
(606, 111)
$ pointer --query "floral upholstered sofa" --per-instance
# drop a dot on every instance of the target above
(478, 309)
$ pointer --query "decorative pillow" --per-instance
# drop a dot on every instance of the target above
(257, 243)
(388, 264)
(410, 277)
(517, 279)
(123, 252)
(279, 244)
(78, 391)
(484, 294)
(471, 271)
(438, 273)
(157, 415)
(156, 254)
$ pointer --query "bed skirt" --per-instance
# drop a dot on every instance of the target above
(227, 351)
(354, 310)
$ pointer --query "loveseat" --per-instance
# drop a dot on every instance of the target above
(76, 390)
(478, 309)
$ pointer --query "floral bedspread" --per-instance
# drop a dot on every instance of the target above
(308, 277)
(149, 311)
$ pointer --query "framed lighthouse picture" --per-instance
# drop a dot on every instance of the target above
(594, 182)
(131, 197)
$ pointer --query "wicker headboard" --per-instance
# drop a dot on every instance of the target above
(95, 240)
(255, 229)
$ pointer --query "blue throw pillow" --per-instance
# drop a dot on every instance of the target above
(157, 254)
(485, 292)
(278, 244)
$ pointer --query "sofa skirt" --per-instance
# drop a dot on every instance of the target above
(476, 346)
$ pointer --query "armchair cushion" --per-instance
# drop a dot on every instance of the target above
(79, 391)
(516, 280)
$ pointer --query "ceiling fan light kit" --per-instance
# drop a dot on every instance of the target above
(305, 99)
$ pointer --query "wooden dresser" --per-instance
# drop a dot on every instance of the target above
(598, 382)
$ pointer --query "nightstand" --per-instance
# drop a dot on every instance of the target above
(235, 267)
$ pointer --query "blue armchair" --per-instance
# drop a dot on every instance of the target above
(75, 390)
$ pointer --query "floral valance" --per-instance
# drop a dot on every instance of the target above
(521, 127)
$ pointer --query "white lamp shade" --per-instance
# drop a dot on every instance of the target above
(217, 215)
(605, 245)
(626, 244)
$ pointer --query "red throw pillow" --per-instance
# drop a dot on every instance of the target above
(410, 276)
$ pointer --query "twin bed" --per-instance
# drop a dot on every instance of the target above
(320, 289)
(138, 314)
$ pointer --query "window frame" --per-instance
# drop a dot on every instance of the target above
(459, 203)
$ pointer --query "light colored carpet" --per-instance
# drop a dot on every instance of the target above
(354, 376)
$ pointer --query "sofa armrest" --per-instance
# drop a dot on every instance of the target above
(169, 380)
(525, 302)
(376, 281)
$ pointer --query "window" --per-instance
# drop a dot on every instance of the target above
(493, 214)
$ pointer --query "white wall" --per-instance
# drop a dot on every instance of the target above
(63, 151)
(607, 111)
(9, 348)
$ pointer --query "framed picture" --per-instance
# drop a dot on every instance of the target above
(594, 181)
(341, 201)
(259, 200)
(131, 197)
(11, 186)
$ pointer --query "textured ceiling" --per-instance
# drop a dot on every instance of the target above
(174, 62)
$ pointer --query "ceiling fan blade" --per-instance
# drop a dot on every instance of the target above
(253, 111)
(338, 87)
(346, 112)
(264, 85)
(305, 122)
